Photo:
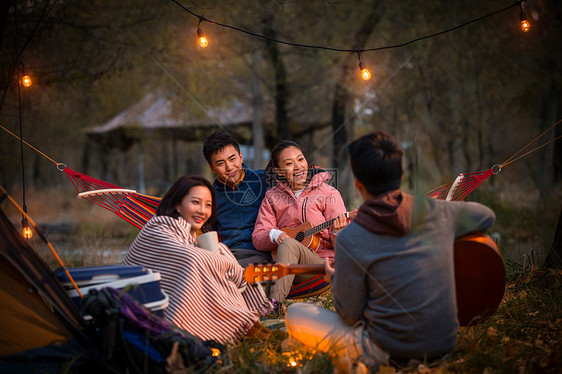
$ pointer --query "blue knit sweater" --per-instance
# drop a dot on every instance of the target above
(238, 208)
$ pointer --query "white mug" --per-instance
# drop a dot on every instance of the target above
(209, 241)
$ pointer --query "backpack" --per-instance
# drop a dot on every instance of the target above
(134, 340)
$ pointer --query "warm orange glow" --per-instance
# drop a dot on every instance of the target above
(203, 41)
(293, 359)
(525, 25)
(26, 81)
(366, 74)
(216, 352)
(27, 233)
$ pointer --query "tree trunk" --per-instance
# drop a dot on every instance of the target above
(281, 93)
(140, 167)
(554, 258)
(257, 121)
(343, 100)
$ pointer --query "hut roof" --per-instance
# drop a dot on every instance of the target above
(154, 116)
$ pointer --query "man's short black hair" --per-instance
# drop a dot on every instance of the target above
(217, 141)
(376, 162)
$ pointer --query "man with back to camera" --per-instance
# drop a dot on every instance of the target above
(239, 193)
(393, 282)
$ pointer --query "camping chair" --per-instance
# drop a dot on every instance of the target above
(137, 209)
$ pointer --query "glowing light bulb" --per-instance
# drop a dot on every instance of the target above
(203, 41)
(216, 352)
(365, 73)
(26, 81)
(525, 25)
(27, 233)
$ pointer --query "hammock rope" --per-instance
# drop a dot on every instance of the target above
(465, 183)
(30, 146)
(513, 158)
(137, 209)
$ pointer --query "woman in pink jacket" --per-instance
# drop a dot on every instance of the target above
(300, 195)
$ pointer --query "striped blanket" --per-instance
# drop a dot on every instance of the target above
(208, 294)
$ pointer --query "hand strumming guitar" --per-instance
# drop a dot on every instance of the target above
(339, 223)
(282, 237)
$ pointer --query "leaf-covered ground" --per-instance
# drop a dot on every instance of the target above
(523, 336)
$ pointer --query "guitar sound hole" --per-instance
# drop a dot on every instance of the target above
(300, 236)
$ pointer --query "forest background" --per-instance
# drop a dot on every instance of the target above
(458, 102)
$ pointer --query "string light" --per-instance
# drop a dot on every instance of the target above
(203, 41)
(365, 73)
(26, 81)
(525, 25)
(27, 233)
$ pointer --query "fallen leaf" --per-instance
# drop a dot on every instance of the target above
(493, 332)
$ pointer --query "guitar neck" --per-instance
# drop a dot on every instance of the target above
(322, 226)
(305, 269)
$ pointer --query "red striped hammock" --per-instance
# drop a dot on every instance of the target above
(133, 207)
(137, 209)
(463, 185)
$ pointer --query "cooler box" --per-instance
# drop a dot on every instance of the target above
(139, 282)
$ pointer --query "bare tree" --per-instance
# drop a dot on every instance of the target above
(343, 97)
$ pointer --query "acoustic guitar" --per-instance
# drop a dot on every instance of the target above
(306, 234)
(479, 276)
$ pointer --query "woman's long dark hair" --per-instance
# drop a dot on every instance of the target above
(178, 191)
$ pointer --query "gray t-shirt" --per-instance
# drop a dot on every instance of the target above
(403, 288)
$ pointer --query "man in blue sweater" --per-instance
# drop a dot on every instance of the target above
(393, 283)
(239, 192)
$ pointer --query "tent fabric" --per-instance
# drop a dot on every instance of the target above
(26, 322)
(37, 318)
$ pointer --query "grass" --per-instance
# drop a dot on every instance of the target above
(523, 336)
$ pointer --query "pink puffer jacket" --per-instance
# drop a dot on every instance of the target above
(318, 203)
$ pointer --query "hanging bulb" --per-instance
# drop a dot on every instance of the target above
(203, 41)
(365, 73)
(525, 25)
(27, 233)
(26, 81)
